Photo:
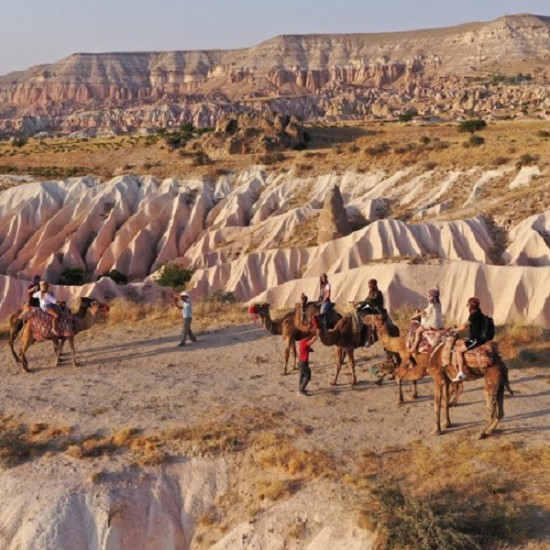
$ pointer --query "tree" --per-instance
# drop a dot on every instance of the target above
(173, 275)
(472, 125)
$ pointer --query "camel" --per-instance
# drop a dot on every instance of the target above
(399, 362)
(347, 335)
(495, 377)
(291, 326)
(16, 324)
(80, 324)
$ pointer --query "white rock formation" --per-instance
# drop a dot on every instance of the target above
(232, 233)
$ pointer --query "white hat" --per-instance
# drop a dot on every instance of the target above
(184, 294)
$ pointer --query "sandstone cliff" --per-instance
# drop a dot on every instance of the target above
(430, 71)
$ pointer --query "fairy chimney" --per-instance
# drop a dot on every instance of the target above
(333, 222)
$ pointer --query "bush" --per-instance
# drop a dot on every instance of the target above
(19, 142)
(526, 160)
(272, 158)
(473, 125)
(543, 134)
(118, 277)
(173, 275)
(379, 149)
(476, 141)
(73, 276)
(201, 159)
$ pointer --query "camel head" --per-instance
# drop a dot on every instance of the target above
(259, 310)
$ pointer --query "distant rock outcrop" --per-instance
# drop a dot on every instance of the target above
(333, 221)
(311, 76)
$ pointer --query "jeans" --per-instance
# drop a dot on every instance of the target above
(305, 375)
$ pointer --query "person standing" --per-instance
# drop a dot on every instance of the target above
(48, 304)
(183, 301)
(304, 349)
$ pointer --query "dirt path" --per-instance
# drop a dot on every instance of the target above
(137, 377)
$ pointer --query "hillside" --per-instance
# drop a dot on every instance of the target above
(477, 67)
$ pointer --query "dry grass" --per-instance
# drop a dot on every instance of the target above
(209, 314)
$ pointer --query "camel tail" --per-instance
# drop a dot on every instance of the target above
(506, 380)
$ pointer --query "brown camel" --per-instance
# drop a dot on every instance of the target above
(16, 324)
(80, 324)
(347, 335)
(399, 362)
(293, 326)
(495, 377)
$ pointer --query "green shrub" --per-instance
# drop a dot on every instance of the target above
(118, 277)
(19, 141)
(173, 275)
(73, 276)
(472, 125)
(476, 141)
(543, 134)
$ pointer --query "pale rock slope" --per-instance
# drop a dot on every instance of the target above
(253, 234)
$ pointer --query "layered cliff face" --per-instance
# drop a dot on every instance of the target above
(398, 70)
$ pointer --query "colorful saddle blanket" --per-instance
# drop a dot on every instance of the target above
(477, 358)
(41, 324)
(480, 357)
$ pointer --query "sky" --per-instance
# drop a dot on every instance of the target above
(33, 32)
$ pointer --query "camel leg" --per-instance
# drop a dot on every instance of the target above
(455, 392)
(414, 392)
(73, 352)
(288, 344)
(445, 402)
(338, 355)
(294, 353)
(58, 347)
(401, 399)
(351, 360)
(494, 398)
(15, 329)
(437, 406)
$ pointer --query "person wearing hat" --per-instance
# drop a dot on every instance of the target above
(431, 318)
(33, 288)
(374, 302)
(475, 339)
(47, 304)
(183, 301)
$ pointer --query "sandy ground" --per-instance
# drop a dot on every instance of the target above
(137, 377)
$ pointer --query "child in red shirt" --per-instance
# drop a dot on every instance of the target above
(304, 349)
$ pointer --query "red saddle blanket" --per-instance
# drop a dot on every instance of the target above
(41, 324)
(430, 339)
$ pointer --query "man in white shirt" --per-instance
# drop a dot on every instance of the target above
(47, 303)
(187, 313)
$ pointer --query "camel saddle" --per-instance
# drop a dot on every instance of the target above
(477, 358)
(41, 324)
(429, 340)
